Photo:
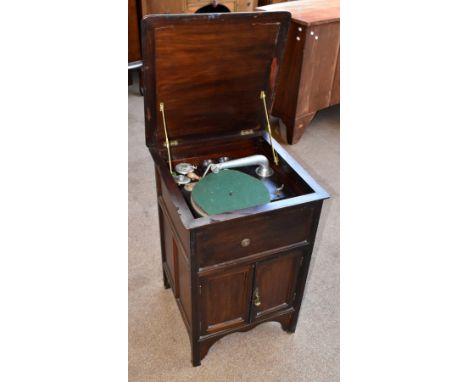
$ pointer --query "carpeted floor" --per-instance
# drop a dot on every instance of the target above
(159, 347)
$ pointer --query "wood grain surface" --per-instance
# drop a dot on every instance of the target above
(210, 81)
(134, 50)
(308, 12)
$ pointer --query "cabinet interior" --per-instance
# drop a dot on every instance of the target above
(284, 177)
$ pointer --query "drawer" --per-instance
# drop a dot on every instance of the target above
(246, 5)
(230, 240)
(194, 5)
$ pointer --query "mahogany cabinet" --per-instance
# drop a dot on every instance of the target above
(231, 271)
(310, 78)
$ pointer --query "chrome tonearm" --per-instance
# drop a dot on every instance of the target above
(263, 170)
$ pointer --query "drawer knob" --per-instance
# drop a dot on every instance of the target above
(245, 242)
(257, 301)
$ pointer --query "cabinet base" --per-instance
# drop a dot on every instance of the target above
(166, 281)
(287, 319)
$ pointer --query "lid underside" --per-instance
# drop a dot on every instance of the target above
(209, 70)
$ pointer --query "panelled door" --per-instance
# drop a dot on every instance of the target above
(275, 284)
(225, 299)
(244, 294)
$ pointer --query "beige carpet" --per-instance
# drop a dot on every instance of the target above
(159, 347)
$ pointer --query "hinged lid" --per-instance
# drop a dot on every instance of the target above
(209, 70)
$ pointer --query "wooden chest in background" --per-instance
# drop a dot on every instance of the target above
(310, 77)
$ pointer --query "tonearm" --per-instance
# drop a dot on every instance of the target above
(263, 170)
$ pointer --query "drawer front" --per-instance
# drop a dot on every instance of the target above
(230, 240)
(246, 5)
(193, 5)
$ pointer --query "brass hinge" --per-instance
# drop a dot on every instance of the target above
(247, 132)
(302, 259)
(294, 297)
(171, 143)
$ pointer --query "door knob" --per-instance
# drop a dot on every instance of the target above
(257, 301)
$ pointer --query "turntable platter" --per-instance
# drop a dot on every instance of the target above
(228, 190)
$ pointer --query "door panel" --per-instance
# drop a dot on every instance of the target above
(225, 299)
(246, 5)
(275, 283)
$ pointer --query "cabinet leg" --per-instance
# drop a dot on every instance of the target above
(141, 83)
(166, 282)
(196, 359)
(130, 78)
(295, 130)
(292, 327)
(287, 323)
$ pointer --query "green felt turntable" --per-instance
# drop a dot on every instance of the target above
(226, 191)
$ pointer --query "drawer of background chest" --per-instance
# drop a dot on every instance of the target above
(194, 5)
(230, 240)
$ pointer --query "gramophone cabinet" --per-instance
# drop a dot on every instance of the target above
(204, 77)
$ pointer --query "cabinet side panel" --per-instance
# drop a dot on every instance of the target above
(181, 234)
(318, 71)
(170, 251)
(304, 269)
(184, 286)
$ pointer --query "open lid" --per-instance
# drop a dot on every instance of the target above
(209, 71)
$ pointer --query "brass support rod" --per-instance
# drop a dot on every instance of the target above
(161, 108)
(263, 97)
